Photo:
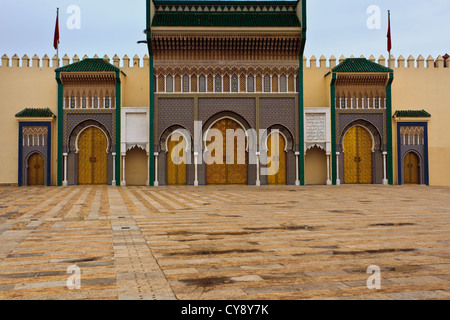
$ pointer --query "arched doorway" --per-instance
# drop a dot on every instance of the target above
(276, 156)
(412, 168)
(36, 170)
(235, 171)
(176, 159)
(316, 166)
(358, 156)
(136, 169)
(92, 156)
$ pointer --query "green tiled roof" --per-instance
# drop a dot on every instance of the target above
(360, 65)
(225, 3)
(411, 114)
(35, 113)
(226, 19)
(86, 65)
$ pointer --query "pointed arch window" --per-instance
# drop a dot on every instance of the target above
(266, 83)
(250, 84)
(234, 83)
(283, 83)
(202, 83)
(169, 83)
(218, 83)
(186, 83)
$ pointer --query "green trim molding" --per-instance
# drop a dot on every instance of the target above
(390, 156)
(360, 65)
(89, 65)
(59, 148)
(333, 128)
(118, 127)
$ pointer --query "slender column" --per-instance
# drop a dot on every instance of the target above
(385, 180)
(338, 181)
(258, 181)
(113, 182)
(147, 183)
(156, 169)
(123, 182)
(65, 183)
(329, 183)
(196, 168)
(297, 180)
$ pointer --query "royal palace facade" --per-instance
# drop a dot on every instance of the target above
(218, 67)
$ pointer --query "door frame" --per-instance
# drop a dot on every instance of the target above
(424, 157)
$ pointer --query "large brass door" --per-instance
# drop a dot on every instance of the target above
(358, 156)
(36, 169)
(176, 160)
(412, 169)
(276, 160)
(224, 173)
(92, 157)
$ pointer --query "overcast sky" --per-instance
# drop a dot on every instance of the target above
(334, 28)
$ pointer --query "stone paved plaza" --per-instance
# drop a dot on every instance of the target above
(225, 242)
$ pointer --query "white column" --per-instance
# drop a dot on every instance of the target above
(156, 169)
(338, 181)
(123, 182)
(258, 181)
(147, 183)
(385, 181)
(329, 183)
(65, 183)
(196, 168)
(113, 182)
(297, 180)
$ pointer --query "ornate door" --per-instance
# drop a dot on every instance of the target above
(224, 173)
(92, 157)
(276, 160)
(176, 160)
(358, 156)
(412, 169)
(36, 169)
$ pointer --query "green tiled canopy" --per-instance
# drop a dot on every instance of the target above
(35, 113)
(411, 114)
(89, 65)
(360, 65)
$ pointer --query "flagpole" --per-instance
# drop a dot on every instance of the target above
(389, 19)
(57, 46)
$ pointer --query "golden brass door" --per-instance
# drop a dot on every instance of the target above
(176, 160)
(36, 170)
(276, 160)
(412, 169)
(92, 157)
(224, 173)
(358, 156)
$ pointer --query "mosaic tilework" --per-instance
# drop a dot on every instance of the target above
(171, 111)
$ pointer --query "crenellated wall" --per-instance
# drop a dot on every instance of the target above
(419, 83)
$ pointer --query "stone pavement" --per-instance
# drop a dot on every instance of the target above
(224, 242)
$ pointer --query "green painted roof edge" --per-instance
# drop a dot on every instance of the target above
(220, 19)
(86, 65)
(35, 113)
(366, 66)
(412, 114)
(225, 3)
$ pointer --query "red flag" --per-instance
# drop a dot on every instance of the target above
(56, 38)
(389, 43)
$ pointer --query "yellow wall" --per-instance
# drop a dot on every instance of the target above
(413, 88)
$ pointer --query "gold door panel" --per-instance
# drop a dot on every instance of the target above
(358, 156)
(412, 170)
(176, 163)
(274, 156)
(92, 157)
(224, 173)
(36, 169)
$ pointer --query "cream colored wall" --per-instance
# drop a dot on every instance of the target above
(20, 88)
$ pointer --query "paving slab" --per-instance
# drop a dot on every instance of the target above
(224, 242)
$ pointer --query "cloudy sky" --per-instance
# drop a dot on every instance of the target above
(346, 27)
